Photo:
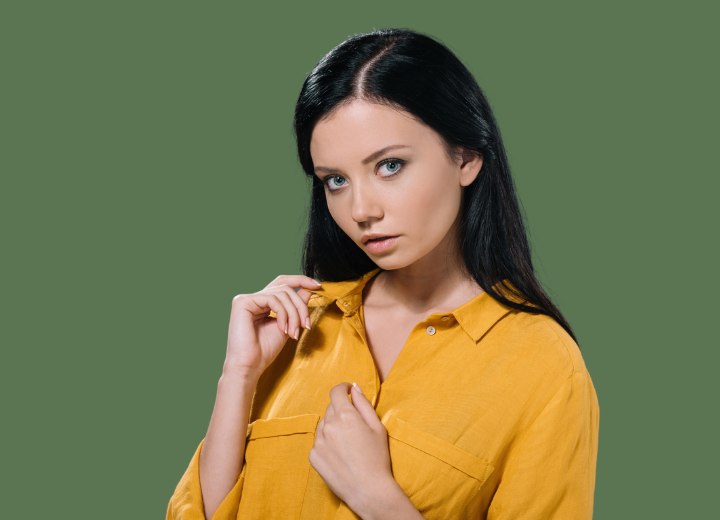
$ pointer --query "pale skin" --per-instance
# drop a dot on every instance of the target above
(254, 341)
(423, 273)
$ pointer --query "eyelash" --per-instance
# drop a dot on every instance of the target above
(401, 162)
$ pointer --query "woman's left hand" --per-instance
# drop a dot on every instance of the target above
(351, 448)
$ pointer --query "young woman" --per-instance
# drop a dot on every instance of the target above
(470, 397)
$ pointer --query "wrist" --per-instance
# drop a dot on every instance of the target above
(239, 376)
(388, 501)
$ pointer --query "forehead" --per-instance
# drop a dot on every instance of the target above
(355, 130)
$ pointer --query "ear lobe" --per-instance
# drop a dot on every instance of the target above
(471, 166)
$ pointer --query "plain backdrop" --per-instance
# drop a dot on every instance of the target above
(149, 173)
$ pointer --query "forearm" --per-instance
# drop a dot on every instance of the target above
(223, 450)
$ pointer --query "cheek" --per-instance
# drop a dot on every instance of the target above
(432, 204)
(340, 213)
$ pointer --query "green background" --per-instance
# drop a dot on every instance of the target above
(149, 174)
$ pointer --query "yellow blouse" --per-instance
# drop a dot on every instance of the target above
(490, 412)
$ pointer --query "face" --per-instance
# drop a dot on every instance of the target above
(388, 174)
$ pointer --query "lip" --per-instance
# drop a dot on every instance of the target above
(372, 236)
(380, 246)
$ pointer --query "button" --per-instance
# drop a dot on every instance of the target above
(430, 330)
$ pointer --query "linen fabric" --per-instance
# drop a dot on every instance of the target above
(491, 414)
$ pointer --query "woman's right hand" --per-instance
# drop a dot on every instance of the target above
(254, 338)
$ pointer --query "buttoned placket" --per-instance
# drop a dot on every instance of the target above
(370, 380)
(350, 307)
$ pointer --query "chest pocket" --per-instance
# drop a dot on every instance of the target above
(276, 453)
(441, 480)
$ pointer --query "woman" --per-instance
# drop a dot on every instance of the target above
(471, 397)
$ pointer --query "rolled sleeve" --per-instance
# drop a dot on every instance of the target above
(549, 472)
(186, 502)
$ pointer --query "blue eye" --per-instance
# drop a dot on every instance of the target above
(393, 167)
(398, 164)
(328, 180)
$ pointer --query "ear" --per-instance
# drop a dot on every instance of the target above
(470, 166)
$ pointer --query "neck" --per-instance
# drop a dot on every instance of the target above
(439, 282)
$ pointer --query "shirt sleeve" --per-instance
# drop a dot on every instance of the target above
(186, 502)
(549, 472)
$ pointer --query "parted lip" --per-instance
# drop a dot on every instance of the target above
(366, 238)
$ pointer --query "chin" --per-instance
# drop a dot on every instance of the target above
(388, 264)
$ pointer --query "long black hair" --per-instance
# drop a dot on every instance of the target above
(412, 71)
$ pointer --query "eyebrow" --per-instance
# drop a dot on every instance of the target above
(367, 159)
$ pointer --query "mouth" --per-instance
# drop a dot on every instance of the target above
(380, 245)
(378, 239)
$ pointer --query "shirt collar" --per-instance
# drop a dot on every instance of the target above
(347, 294)
(475, 316)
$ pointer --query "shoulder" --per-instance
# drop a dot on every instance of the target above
(536, 346)
(542, 333)
(540, 359)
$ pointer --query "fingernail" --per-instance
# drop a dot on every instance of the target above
(314, 280)
(307, 323)
(297, 333)
(356, 387)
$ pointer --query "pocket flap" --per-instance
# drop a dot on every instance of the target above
(305, 423)
(473, 466)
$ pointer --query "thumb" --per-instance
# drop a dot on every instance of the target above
(364, 408)
(305, 295)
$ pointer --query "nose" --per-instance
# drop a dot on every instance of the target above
(365, 203)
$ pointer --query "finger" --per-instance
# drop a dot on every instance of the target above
(295, 280)
(261, 302)
(329, 412)
(363, 406)
(300, 305)
(293, 328)
(305, 294)
(340, 398)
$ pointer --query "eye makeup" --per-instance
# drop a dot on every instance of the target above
(391, 160)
